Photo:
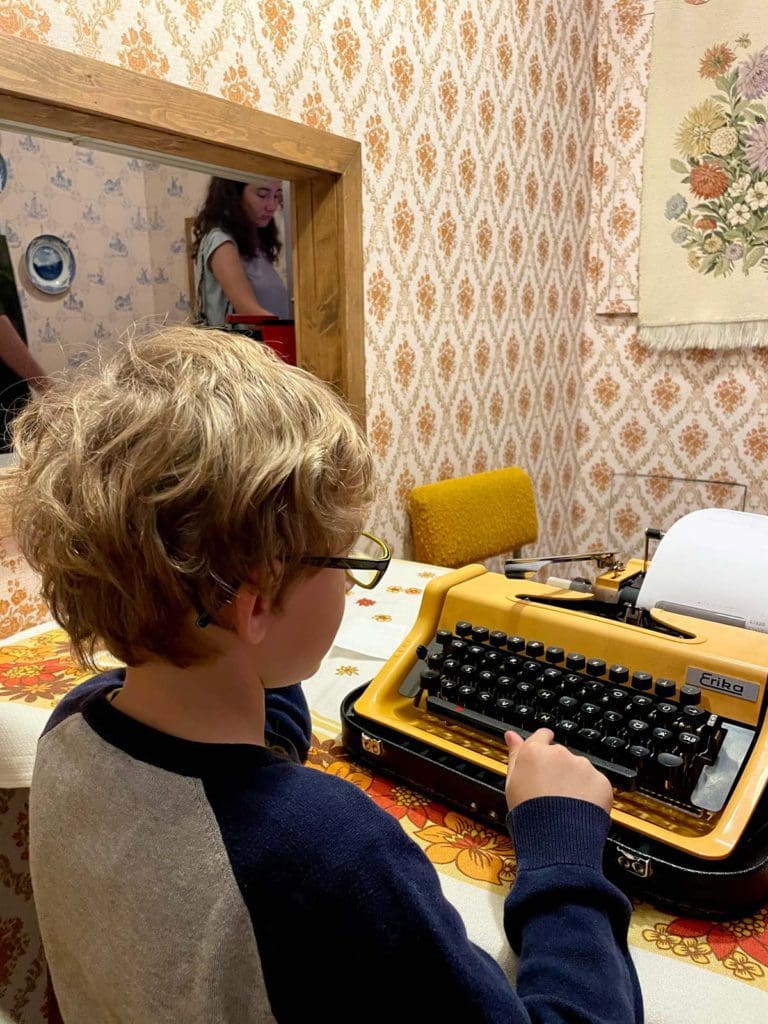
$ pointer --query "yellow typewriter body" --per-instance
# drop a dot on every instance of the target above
(509, 605)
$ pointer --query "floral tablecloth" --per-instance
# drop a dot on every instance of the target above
(692, 970)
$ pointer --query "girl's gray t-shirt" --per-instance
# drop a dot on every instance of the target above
(213, 304)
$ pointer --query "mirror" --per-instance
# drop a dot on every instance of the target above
(152, 145)
(101, 242)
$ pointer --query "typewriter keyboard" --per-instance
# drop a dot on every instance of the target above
(644, 733)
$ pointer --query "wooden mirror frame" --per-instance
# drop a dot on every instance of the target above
(86, 100)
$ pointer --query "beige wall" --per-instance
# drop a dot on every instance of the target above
(476, 122)
(693, 414)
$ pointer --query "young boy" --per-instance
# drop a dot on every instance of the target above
(190, 508)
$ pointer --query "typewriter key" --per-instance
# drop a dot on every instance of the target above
(502, 708)
(641, 705)
(666, 713)
(534, 648)
(523, 715)
(568, 706)
(496, 638)
(566, 730)
(480, 634)
(593, 692)
(689, 695)
(555, 655)
(571, 683)
(429, 681)
(638, 756)
(618, 697)
(662, 739)
(642, 681)
(551, 676)
(444, 637)
(693, 719)
(575, 662)
(612, 721)
(448, 689)
(595, 667)
(612, 747)
(475, 654)
(671, 768)
(618, 674)
(591, 713)
(688, 743)
(465, 694)
(463, 628)
(546, 699)
(504, 686)
(515, 643)
(588, 740)
(637, 729)
(665, 688)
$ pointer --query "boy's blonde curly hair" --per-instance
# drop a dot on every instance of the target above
(194, 458)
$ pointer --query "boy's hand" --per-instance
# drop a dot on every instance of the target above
(537, 767)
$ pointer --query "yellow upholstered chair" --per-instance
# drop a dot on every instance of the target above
(472, 518)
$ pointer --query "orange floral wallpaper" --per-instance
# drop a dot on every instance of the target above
(697, 414)
(476, 122)
(500, 252)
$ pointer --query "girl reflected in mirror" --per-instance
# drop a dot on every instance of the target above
(236, 244)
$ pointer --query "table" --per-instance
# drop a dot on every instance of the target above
(691, 971)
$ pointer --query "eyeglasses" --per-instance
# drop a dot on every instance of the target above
(364, 565)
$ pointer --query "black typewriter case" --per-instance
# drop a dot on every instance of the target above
(643, 868)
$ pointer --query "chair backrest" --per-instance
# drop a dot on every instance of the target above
(472, 518)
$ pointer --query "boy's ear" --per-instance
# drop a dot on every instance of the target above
(250, 611)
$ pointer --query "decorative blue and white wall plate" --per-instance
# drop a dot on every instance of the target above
(50, 264)
(3, 172)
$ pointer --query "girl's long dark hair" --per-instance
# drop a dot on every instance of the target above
(223, 208)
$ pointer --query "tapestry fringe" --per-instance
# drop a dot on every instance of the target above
(677, 337)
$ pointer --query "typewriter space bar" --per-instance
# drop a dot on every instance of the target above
(618, 774)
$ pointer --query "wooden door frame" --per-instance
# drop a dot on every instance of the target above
(79, 98)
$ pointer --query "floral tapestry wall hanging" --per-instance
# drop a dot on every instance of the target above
(704, 221)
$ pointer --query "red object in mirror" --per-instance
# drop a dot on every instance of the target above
(279, 335)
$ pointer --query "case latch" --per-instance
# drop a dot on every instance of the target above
(635, 863)
(372, 746)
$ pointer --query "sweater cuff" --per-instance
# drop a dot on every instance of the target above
(553, 830)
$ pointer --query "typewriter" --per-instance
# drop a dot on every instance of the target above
(671, 708)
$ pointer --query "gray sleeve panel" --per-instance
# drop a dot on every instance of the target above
(214, 304)
(185, 951)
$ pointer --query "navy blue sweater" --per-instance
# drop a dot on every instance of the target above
(181, 881)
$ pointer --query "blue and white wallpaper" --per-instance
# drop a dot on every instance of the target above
(124, 222)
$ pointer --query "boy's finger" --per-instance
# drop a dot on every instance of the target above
(542, 736)
(513, 740)
(514, 743)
